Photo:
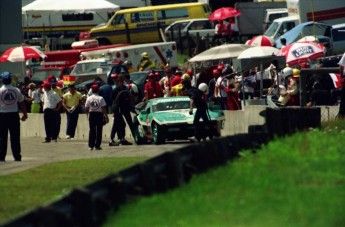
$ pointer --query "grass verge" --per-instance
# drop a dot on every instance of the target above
(292, 181)
(21, 192)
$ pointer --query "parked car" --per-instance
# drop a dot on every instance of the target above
(168, 118)
(95, 68)
(202, 26)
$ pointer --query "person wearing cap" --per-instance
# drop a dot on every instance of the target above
(177, 78)
(152, 89)
(35, 98)
(71, 102)
(51, 109)
(95, 108)
(145, 62)
(52, 80)
(9, 117)
(165, 82)
(177, 90)
(220, 88)
(212, 85)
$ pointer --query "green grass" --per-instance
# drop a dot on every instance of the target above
(23, 191)
(292, 181)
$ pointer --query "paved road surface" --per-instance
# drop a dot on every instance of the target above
(36, 153)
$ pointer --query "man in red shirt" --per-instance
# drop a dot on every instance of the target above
(152, 88)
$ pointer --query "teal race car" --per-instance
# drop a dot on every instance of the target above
(168, 118)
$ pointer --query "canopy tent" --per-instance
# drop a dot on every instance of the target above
(69, 6)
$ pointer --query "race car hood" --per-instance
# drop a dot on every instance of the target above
(171, 117)
(181, 116)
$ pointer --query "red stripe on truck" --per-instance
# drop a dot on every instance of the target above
(326, 14)
(160, 55)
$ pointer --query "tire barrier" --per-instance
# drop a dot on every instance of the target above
(89, 205)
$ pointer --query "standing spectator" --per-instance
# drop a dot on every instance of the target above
(105, 91)
(51, 109)
(53, 82)
(220, 32)
(135, 96)
(212, 85)
(35, 98)
(123, 106)
(145, 62)
(235, 32)
(152, 88)
(177, 90)
(233, 98)
(71, 104)
(120, 86)
(95, 110)
(165, 82)
(249, 84)
(283, 42)
(177, 78)
(220, 91)
(9, 117)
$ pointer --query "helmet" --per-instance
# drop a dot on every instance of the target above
(203, 87)
(6, 77)
(151, 75)
(220, 67)
(215, 72)
(190, 72)
(185, 76)
(145, 55)
(287, 72)
(295, 72)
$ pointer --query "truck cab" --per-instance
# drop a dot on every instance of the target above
(272, 14)
(337, 45)
(281, 25)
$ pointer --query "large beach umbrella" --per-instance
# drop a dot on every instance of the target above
(21, 54)
(224, 13)
(300, 52)
(260, 40)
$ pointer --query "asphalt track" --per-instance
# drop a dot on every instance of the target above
(35, 153)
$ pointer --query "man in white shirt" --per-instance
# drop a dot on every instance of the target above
(51, 108)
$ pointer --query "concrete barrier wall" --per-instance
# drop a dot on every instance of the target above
(236, 122)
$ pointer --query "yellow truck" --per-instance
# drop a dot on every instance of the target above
(143, 24)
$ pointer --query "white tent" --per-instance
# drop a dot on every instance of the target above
(69, 6)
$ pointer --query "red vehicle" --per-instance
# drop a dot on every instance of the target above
(60, 63)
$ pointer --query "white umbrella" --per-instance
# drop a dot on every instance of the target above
(259, 55)
(258, 52)
(224, 51)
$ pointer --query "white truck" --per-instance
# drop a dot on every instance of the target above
(256, 16)
(300, 11)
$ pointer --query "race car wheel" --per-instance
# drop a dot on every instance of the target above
(157, 133)
(138, 134)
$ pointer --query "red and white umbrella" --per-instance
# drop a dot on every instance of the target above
(301, 52)
(260, 40)
(224, 13)
(21, 54)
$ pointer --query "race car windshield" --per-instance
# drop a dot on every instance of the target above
(163, 106)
